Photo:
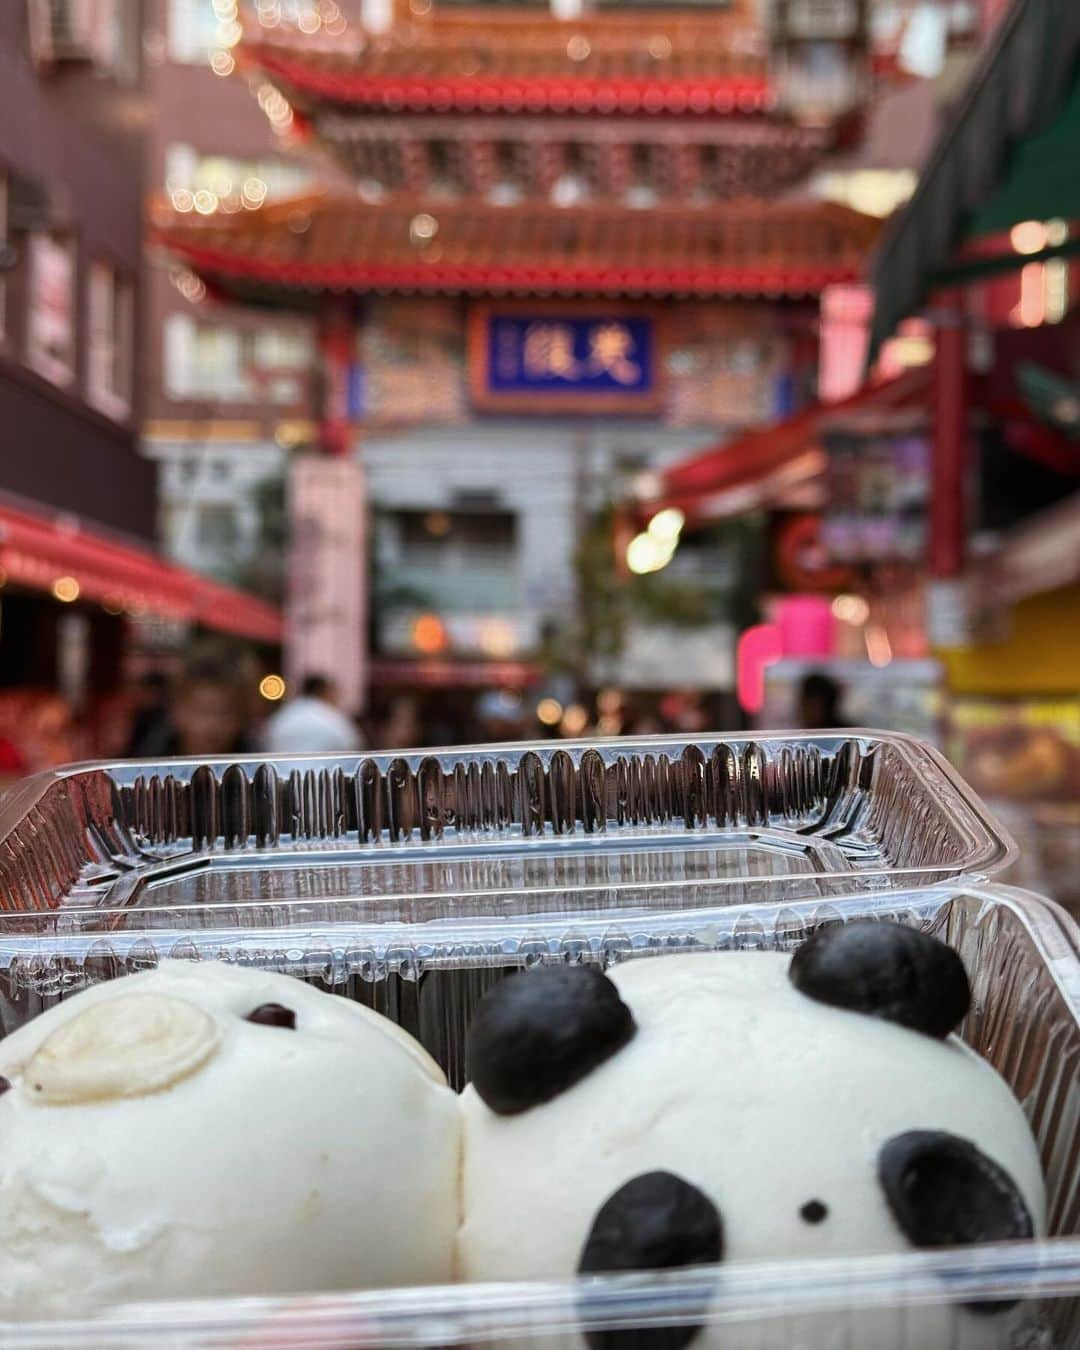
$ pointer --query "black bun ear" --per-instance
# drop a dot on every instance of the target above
(886, 970)
(945, 1192)
(538, 1033)
(656, 1221)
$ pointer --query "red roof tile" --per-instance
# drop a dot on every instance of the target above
(656, 64)
(325, 243)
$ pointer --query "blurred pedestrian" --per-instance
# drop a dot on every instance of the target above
(150, 711)
(311, 723)
(820, 702)
(209, 709)
(399, 729)
(500, 716)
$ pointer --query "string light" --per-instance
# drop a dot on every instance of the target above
(275, 105)
(575, 720)
(667, 525)
(254, 191)
(272, 688)
(1028, 237)
(497, 638)
(65, 589)
(423, 227)
(222, 63)
(549, 712)
(429, 634)
(645, 553)
(851, 609)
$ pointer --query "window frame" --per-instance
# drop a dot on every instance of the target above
(110, 350)
(239, 376)
(59, 371)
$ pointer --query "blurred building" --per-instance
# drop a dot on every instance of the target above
(553, 218)
(227, 394)
(72, 127)
(82, 594)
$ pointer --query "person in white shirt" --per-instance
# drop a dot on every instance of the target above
(311, 723)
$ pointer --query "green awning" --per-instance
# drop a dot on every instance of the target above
(1010, 152)
(1042, 178)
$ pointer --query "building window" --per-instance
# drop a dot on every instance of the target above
(110, 325)
(215, 528)
(194, 31)
(50, 339)
(102, 33)
(118, 40)
(198, 28)
(221, 180)
(458, 538)
(221, 364)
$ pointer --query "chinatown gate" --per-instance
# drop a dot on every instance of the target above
(573, 255)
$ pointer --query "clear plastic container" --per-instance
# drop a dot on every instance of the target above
(1022, 955)
(765, 817)
(595, 853)
(392, 876)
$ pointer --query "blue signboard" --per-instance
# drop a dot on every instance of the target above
(550, 359)
(356, 392)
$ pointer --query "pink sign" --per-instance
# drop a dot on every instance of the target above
(758, 647)
(326, 614)
(806, 625)
(846, 312)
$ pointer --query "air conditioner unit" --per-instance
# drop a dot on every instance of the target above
(65, 30)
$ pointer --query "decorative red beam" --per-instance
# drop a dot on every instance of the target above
(525, 279)
(525, 94)
(950, 460)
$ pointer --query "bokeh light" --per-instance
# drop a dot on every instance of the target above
(272, 688)
(549, 712)
(66, 589)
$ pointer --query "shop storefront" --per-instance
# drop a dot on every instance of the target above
(83, 613)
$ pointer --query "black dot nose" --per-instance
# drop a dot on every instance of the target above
(814, 1211)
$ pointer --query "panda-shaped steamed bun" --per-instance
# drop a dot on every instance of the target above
(741, 1106)
(201, 1129)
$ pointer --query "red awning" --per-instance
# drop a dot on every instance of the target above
(38, 550)
(760, 465)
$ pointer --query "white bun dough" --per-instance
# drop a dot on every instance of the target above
(763, 1099)
(155, 1144)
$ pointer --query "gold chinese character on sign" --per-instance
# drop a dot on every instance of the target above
(549, 351)
(611, 346)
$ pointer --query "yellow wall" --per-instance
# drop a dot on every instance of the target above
(1040, 656)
